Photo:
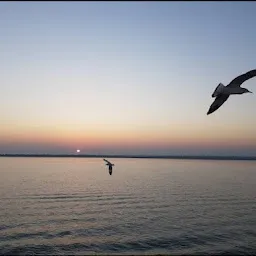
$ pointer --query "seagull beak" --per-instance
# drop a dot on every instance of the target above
(250, 91)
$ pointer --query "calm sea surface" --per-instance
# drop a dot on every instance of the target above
(148, 206)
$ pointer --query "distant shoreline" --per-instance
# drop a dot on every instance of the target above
(134, 156)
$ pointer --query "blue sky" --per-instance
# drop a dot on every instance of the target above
(125, 77)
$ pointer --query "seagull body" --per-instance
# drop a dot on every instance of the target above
(109, 166)
(222, 92)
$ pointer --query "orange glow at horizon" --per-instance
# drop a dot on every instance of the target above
(127, 137)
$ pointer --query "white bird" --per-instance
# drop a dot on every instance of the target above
(221, 93)
(109, 166)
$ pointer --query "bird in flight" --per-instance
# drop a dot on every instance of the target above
(109, 166)
(222, 92)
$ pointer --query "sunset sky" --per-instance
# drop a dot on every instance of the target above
(126, 77)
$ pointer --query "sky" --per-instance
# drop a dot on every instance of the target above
(126, 77)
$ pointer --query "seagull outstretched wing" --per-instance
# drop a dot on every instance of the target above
(242, 78)
(217, 103)
(107, 162)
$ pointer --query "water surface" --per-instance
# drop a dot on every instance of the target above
(148, 206)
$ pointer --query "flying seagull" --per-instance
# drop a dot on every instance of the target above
(109, 166)
(221, 93)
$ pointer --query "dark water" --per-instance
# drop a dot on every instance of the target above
(148, 206)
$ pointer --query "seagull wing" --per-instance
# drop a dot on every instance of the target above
(242, 78)
(107, 161)
(217, 103)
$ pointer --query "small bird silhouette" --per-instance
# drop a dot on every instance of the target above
(109, 166)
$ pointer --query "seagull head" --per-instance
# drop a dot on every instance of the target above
(245, 90)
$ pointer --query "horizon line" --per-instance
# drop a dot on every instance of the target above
(204, 157)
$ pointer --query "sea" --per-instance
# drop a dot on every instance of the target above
(72, 206)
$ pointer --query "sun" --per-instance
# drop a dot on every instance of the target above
(78, 150)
